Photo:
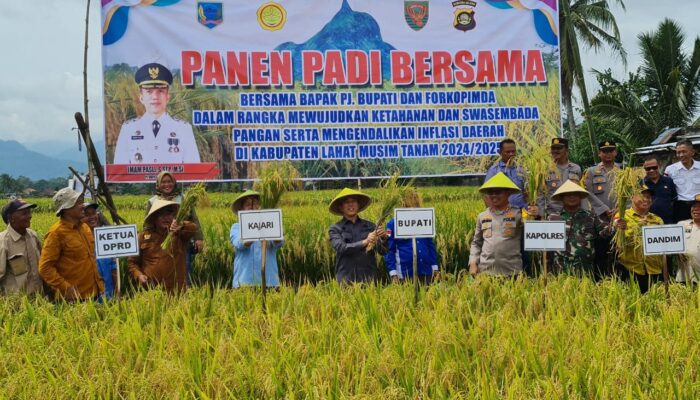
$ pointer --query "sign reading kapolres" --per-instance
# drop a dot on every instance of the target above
(342, 88)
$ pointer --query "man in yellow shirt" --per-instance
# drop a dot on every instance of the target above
(68, 261)
(646, 270)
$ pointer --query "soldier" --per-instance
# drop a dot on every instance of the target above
(582, 228)
(155, 137)
(496, 247)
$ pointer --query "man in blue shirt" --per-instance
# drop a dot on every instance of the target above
(507, 150)
(663, 190)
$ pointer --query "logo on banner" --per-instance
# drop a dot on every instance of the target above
(416, 13)
(272, 16)
(210, 14)
(464, 15)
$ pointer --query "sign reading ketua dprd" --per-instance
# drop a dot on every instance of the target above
(414, 223)
(261, 225)
(116, 241)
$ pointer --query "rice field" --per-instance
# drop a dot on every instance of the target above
(466, 338)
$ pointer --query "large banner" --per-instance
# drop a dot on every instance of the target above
(341, 88)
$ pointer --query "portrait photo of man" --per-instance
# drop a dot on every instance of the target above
(155, 137)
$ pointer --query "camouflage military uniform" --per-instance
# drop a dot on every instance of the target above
(582, 228)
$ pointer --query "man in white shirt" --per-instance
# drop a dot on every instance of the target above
(155, 137)
(686, 177)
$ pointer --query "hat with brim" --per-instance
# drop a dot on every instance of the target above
(15, 205)
(65, 199)
(696, 199)
(499, 181)
(569, 187)
(238, 203)
(159, 205)
(607, 144)
(362, 199)
(647, 189)
(91, 205)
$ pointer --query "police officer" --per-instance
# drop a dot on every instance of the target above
(559, 149)
(155, 137)
(599, 182)
(600, 178)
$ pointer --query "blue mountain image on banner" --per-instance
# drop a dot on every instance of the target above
(347, 30)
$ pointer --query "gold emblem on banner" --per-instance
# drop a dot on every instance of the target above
(272, 16)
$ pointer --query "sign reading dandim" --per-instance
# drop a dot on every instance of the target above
(261, 225)
(663, 239)
(116, 241)
(341, 88)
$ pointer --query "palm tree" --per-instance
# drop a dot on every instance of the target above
(664, 92)
(592, 23)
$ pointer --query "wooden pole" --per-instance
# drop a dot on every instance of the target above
(263, 247)
(665, 271)
(416, 287)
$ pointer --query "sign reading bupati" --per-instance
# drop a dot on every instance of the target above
(414, 223)
(211, 89)
(261, 225)
(116, 241)
(545, 235)
(663, 239)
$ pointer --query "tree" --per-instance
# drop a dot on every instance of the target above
(592, 23)
(663, 93)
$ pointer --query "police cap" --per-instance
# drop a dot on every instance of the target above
(560, 142)
(153, 75)
(607, 144)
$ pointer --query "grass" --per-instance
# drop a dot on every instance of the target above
(470, 339)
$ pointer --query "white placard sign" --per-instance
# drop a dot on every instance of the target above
(545, 235)
(414, 223)
(261, 225)
(116, 241)
(663, 239)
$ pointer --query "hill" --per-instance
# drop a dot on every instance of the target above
(16, 160)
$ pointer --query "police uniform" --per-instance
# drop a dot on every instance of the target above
(600, 181)
(496, 244)
(555, 179)
(151, 140)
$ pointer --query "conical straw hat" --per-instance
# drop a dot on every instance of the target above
(363, 200)
(499, 181)
(238, 203)
(159, 205)
(569, 187)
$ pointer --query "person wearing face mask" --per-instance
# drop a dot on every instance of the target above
(633, 264)
(20, 250)
(166, 189)
(155, 266)
(247, 261)
(352, 236)
(67, 262)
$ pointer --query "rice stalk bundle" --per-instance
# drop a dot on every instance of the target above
(626, 185)
(539, 166)
(391, 197)
(189, 202)
(274, 180)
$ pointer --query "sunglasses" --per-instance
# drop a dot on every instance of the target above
(651, 168)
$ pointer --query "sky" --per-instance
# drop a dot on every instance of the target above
(41, 84)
